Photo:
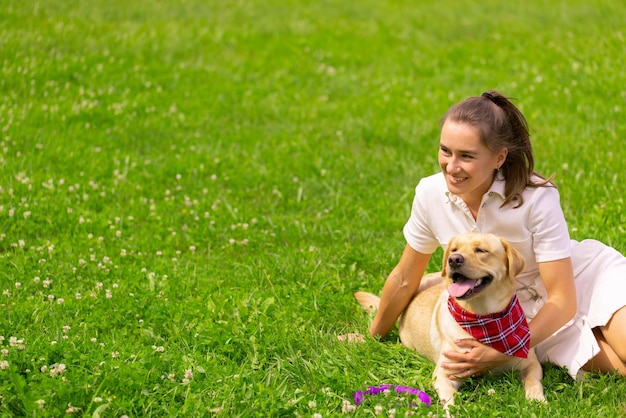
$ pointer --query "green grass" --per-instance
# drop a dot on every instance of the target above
(190, 191)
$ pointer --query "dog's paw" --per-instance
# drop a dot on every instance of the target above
(351, 338)
(535, 394)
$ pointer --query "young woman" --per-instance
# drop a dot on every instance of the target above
(573, 293)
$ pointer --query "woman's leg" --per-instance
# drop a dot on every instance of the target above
(612, 341)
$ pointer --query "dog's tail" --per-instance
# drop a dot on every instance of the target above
(368, 301)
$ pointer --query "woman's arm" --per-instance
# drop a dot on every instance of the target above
(399, 288)
(558, 278)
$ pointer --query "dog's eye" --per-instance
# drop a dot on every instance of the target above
(453, 250)
(480, 250)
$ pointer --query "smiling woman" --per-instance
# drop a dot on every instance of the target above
(488, 184)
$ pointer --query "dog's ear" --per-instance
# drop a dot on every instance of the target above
(515, 260)
(446, 254)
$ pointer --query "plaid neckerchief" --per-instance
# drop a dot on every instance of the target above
(506, 331)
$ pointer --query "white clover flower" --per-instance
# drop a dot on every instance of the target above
(347, 407)
(4, 364)
(71, 409)
(40, 403)
(57, 369)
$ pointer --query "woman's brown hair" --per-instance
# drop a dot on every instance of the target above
(501, 125)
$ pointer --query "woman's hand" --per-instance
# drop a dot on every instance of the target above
(477, 361)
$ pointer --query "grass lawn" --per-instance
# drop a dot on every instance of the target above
(191, 191)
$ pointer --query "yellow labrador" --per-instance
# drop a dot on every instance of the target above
(472, 296)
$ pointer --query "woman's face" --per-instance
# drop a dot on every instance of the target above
(467, 164)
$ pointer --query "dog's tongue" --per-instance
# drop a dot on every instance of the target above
(461, 287)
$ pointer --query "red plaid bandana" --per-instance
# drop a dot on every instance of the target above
(506, 331)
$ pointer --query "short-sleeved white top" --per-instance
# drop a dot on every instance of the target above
(537, 228)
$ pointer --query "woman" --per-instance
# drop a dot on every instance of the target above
(570, 291)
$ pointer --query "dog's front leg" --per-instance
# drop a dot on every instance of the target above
(445, 387)
(531, 373)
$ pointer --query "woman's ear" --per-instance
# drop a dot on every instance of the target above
(502, 157)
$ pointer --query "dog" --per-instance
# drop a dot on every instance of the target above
(477, 281)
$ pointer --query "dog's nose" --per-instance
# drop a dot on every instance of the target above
(456, 260)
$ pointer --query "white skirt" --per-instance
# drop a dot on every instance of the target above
(600, 278)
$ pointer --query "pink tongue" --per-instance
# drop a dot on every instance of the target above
(461, 287)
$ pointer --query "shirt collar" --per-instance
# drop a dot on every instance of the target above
(497, 187)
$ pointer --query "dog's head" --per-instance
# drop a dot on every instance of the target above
(481, 266)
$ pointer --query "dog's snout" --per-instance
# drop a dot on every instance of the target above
(456, 260)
